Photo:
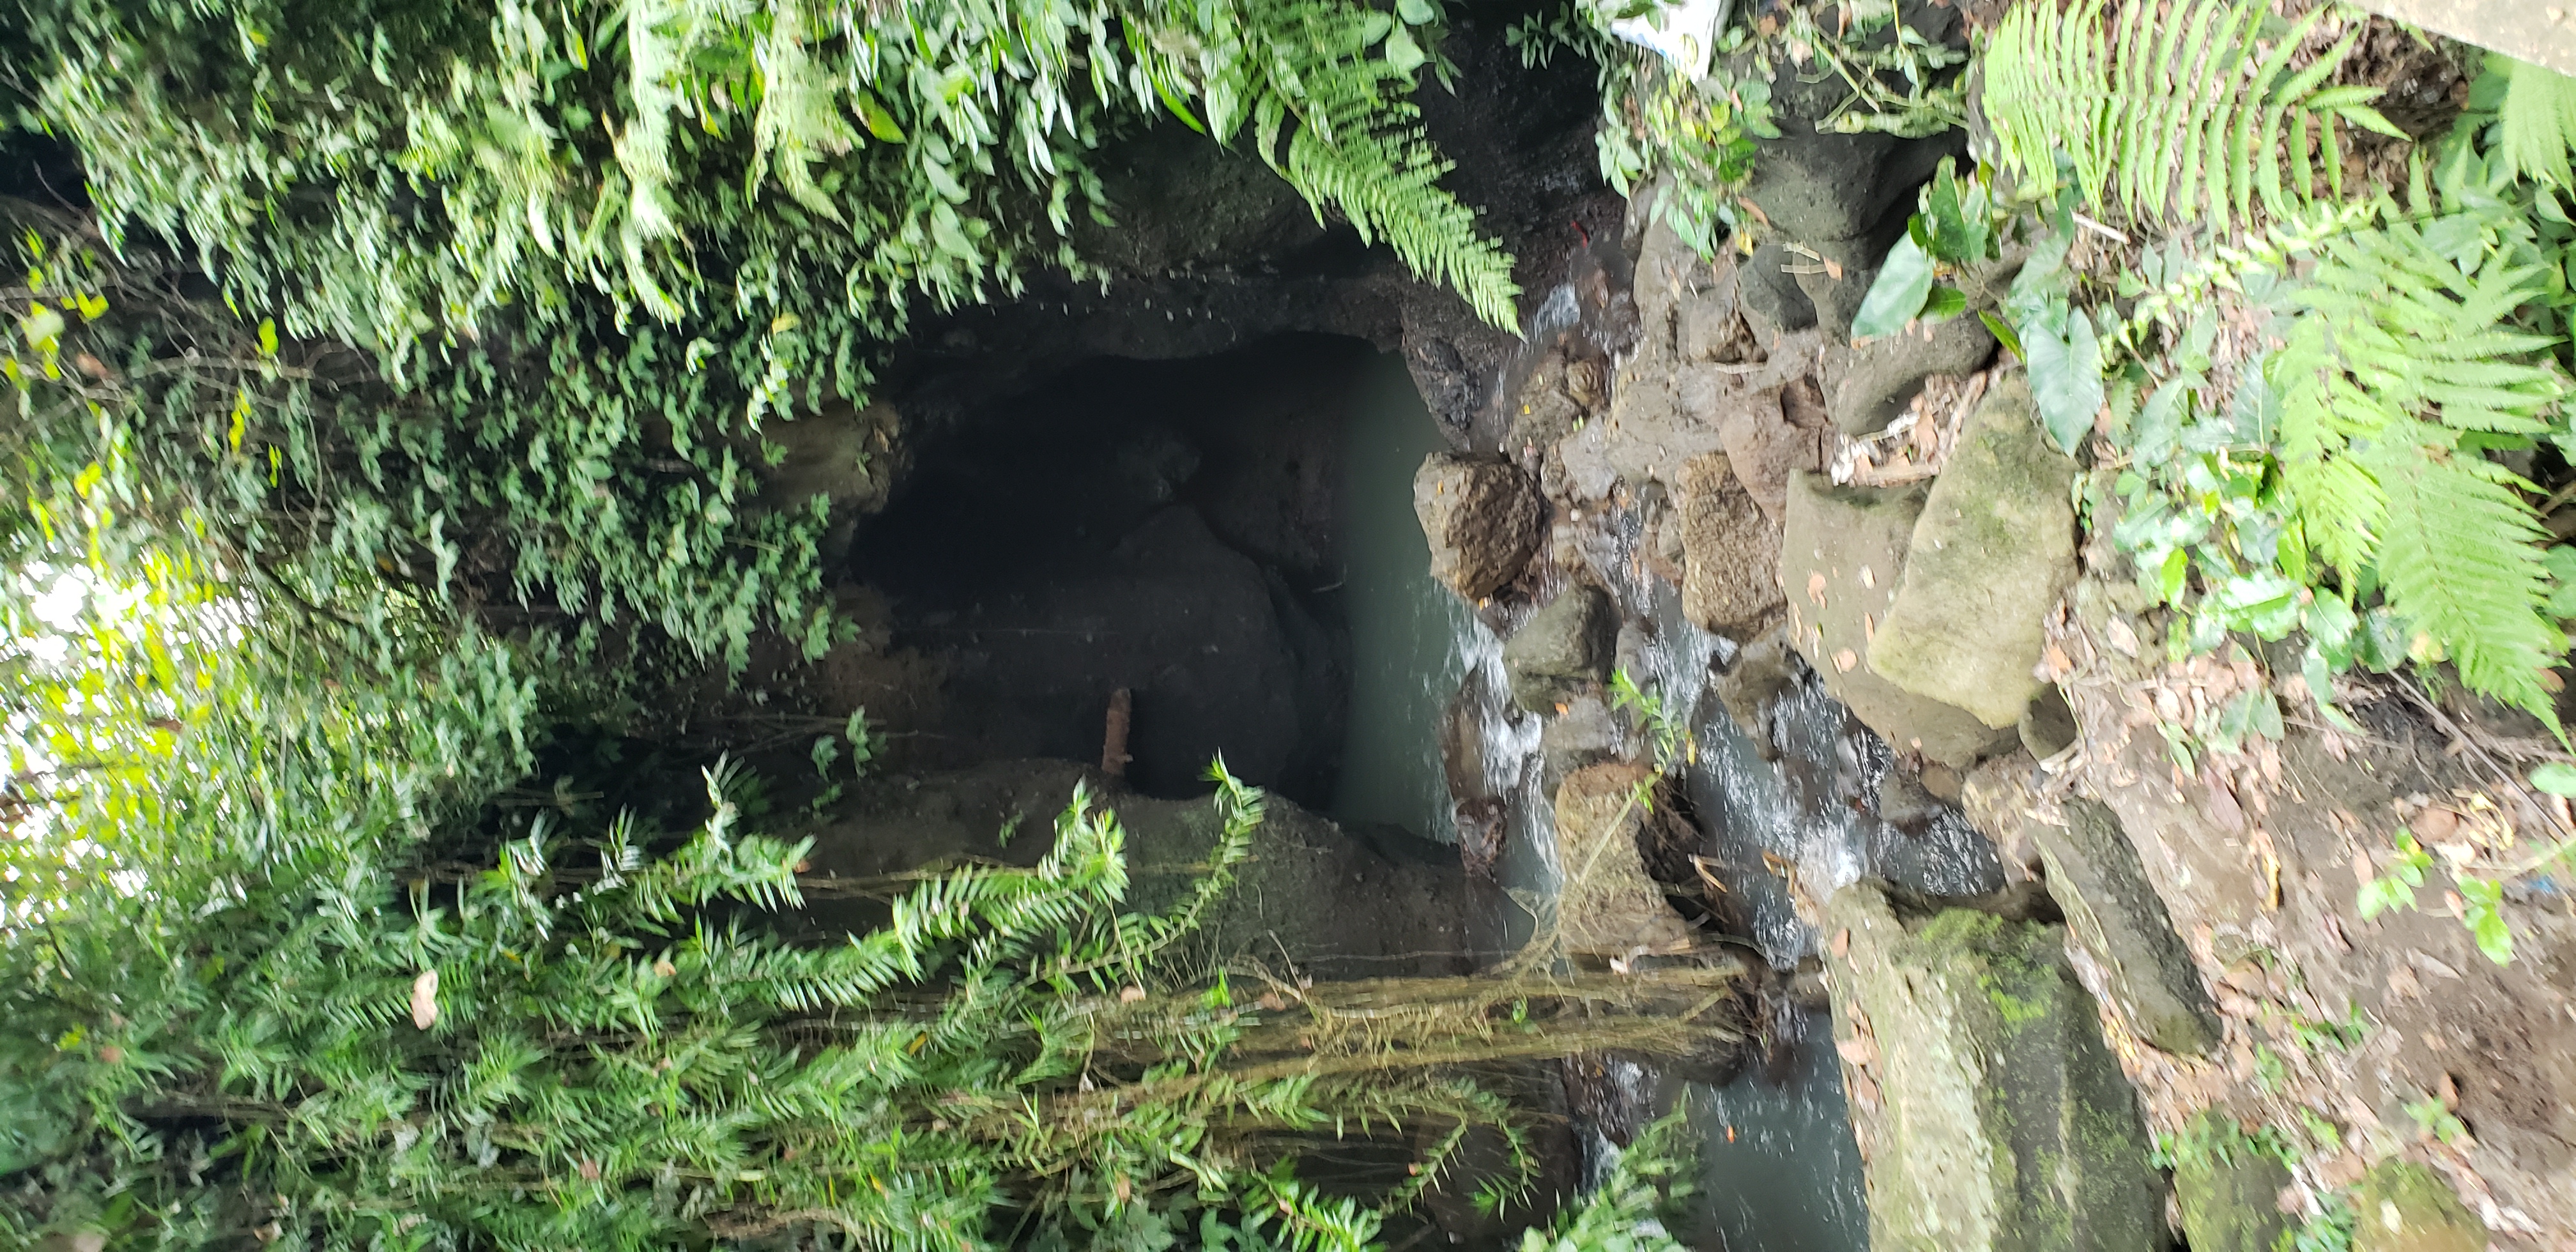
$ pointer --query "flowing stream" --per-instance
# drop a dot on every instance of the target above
(1781, 1172)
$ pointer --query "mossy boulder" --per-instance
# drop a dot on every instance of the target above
(2228, 1189)
(1840, 561)
(2095, 875)
(2403, 1207)
(1563, 650)
(1990, 1114)
(1993, 550)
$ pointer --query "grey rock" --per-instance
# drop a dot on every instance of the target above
(1875, 381)
(1842, 555)
(1991, 555)
(2095, 875)
(1990, 1114)
(1563, 649)
(1763, 671)
(1904, 802)
(1773, 303)
(1483, 517)
(2048, 725)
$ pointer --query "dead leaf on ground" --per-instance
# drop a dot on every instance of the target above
(1845, 659)
(1857, 1051)
(1842, 943)
(1816, 587)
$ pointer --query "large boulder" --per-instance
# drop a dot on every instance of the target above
(1840, 561)
(1730, 551)
(1992, 553)
(2095, 875)
(1991, 1117)
(1484, 518)
(2227, 1188)
(1607, 905)
(1563, 650)
(2403, 1207)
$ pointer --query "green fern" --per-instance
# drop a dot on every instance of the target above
(2537, 120)
(2172, 118)
(2401, 368)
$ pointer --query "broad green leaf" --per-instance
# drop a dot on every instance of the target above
(1402, 53)
(2065, 379)
(1904, 283)
(2556, 777)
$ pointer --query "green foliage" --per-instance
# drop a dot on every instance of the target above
(1623, 1214)
(2403, 366)
(788, 171)
(2393, 888)
(1659, 122)
(2536, 120)
(2174, 115)
(1698, 133)
(530, 280)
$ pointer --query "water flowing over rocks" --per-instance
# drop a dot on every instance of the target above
(1564, 650)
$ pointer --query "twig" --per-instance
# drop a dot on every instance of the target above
(2102, 230)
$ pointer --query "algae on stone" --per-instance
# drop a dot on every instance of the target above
(2228, 1188)
(1996, 1118)
(2403, 1207)
(1840, 560)
(1991, 553)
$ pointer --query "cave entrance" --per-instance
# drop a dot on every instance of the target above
(1229, 538)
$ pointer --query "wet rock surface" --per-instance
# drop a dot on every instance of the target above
(1564, 650)
(1989, 1111)
(1484, 518)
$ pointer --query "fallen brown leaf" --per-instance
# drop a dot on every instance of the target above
(1845, 660)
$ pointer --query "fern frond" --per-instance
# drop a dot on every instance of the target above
(2397, 354)
(2537, 120)
(2461, 560)
(2172, 118)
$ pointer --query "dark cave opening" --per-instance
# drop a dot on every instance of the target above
(1178, 529)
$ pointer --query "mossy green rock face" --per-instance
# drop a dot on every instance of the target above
(2402, 1207)
(2230, 1202)
(1991, 554)
(1562, 649)
(1992, 1117)
(1839, 563)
